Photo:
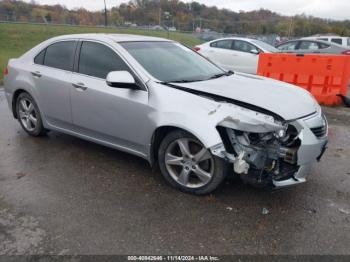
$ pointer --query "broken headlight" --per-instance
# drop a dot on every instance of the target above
(263, 151)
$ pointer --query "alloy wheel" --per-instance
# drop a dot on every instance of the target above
(189, 163)
(27, 114)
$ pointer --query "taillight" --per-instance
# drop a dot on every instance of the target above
(196, 48)
(347, 52)
(6, 71)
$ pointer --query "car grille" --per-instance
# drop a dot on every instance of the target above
(319, 131)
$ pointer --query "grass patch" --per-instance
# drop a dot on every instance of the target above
(16, 39)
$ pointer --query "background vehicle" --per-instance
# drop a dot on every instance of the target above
(305, 46)
(340, 40)
(188, 115)
(236, 54)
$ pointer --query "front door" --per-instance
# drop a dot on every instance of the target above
(110, 114)
(245, 60)
(220, 53)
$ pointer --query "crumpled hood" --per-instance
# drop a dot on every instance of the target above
(283, 99)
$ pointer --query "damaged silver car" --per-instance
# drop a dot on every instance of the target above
(160, 100)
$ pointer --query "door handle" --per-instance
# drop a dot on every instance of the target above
(36, 74)
(80, 86)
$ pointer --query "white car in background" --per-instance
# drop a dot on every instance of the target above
(236, 54)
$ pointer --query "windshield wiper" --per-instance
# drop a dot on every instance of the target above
(187, 81)
(228, 73)
(183, 81)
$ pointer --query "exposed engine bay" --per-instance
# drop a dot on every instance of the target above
(263, 157)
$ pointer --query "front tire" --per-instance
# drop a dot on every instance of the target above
(188, 166)
(29, 116)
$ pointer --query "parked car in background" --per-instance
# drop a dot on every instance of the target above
(306, 46)
(181, 111)
(340, 40)
(235, 54)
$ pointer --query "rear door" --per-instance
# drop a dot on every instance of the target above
(52, 72)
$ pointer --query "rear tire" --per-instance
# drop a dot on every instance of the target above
(29, 116)
(188, 166)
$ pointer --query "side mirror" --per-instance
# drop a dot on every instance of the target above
(254, 51)
(121, 79)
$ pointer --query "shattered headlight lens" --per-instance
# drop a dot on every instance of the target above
(281, 133)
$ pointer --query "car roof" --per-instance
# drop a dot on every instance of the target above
(310, 40)
(114, 37)
(324, 36)
(234, 38)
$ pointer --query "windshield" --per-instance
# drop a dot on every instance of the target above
(265, 46)
(172, 62)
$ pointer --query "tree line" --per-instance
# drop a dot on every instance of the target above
(175, 13)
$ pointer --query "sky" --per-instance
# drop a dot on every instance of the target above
(333, 9)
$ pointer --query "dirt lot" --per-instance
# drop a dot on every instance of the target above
(63, 195)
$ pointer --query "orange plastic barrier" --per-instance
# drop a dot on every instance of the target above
(324, 76)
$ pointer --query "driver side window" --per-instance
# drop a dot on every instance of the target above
(98, 60)
(307, 45)
(243, 46)
(288, 46)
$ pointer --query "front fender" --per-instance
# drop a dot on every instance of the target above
(205, 131)
(200, 115)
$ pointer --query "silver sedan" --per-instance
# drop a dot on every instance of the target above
(306, 46)
(159, 100)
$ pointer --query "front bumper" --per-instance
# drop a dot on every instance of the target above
(311, 149)
(304, 170)
(312, 145)
(298, 178)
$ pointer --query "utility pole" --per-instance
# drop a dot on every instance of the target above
(160, 15)
(291, 27)
(106, 22)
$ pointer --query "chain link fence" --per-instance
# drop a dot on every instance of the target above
(167, 27)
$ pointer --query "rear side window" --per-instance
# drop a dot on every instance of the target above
(39, 59)
(98, 60)
(60, 55)
(224, 44)
(337, 41)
